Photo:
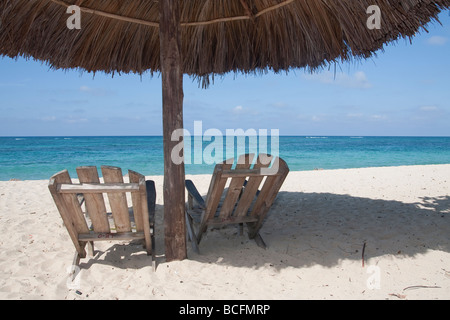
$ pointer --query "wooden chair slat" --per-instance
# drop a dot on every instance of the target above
(72, 204)
(250, 190)
(98, 188)
(212, 201)
(137, 201)
(95, 204)
(235, 187)
(64, 210)
(117, 201)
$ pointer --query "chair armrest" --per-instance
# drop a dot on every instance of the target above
(151, 199)
(193, 192)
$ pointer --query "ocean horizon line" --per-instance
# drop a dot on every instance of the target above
(160, 136)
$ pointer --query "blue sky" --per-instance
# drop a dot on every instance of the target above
(404, 91)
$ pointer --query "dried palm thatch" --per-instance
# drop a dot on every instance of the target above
(218, 36)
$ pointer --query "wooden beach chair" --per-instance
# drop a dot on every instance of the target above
(249, 196)
(89, 218)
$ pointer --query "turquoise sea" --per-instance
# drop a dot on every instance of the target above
(36, 158)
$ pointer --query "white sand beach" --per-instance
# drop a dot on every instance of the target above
(315, 234)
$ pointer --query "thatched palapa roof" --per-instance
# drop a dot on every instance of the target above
(218, 36)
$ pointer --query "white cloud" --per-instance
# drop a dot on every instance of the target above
(357, 80)
(48, 118)
(378, 117)
(360, 80)
(238, 109)
(429, 108)
(72, 119)
(437, 40)
(94, 91)
(85, 89)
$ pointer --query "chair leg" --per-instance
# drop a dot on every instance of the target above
(254, 234)
(74, 269)
(191, 233)
(76, 259)
(241, 229)
(90, 246)
(259, 241)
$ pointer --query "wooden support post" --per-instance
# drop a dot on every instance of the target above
(172, 87)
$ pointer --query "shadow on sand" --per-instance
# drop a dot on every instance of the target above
(323, 229)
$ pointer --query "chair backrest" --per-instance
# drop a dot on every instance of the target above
(66, 195)
(251, 191)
